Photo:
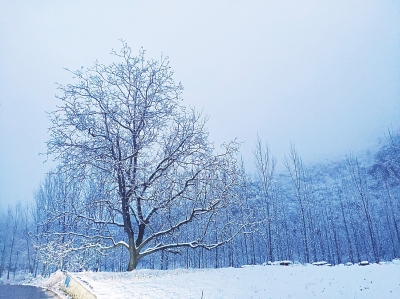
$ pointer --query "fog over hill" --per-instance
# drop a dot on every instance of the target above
(323, 75)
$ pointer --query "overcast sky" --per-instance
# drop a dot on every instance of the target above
(322, 74)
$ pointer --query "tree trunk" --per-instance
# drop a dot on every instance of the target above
(133, 256)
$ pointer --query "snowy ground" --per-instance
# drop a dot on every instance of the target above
(272, 281)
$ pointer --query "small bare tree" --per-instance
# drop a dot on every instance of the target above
(124, 123)
(294, 165)
(360, 190)
(265, 166)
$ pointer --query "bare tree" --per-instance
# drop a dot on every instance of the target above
(15, 223)
(360, 190)
(341, 193)
(294, 165)
(124, 123)
(265, 166)
(4, 238)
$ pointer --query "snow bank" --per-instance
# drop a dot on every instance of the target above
(53, 283)
(77, 288)
(272, 281)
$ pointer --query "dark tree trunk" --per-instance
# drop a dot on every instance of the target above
(133, 256)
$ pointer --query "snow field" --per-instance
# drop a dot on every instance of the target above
(296, 281)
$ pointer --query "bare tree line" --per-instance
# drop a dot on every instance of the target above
(344, 212)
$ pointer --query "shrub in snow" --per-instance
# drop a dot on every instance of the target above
(321, 263)
(285, 263)
(364, 263)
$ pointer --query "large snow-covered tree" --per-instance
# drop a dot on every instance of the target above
(123, 126)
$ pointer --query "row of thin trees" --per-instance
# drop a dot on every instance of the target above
(342, 212)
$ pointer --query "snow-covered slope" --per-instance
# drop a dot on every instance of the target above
(296, 281)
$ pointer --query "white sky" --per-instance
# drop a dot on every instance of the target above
(322, 74)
